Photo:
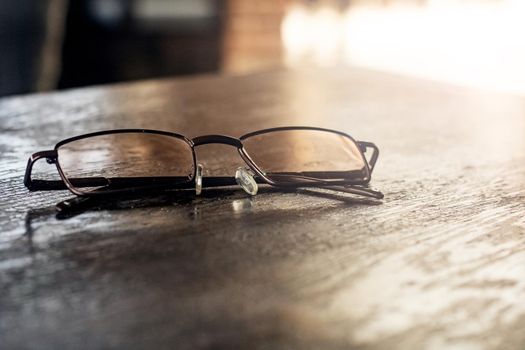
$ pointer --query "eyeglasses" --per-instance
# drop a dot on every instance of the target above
(133, 160)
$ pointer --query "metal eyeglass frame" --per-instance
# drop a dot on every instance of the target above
(356, 186)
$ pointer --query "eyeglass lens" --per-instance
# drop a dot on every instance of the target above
(312, 153)
(127, 156)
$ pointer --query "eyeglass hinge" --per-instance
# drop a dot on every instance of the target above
(362, 146)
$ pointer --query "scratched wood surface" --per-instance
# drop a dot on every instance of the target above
(439, 263)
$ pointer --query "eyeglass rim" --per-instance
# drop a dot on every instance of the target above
(248, 159)
(237, 142)
(78, 192)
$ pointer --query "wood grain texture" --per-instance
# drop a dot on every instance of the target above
(439, 263)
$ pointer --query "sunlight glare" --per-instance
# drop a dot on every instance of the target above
(474, 43)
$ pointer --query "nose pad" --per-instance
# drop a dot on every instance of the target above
(244, 178)
(198, 179)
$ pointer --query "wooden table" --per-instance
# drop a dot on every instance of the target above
(439, 263)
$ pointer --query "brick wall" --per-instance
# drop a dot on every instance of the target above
(252, 34)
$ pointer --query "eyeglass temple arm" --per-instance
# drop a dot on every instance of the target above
(352, 189)
(51, 157)
(358, 190)
(34, 185)
(218, 181)
(363, 145)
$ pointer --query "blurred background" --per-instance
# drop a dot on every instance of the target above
(56, 44)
